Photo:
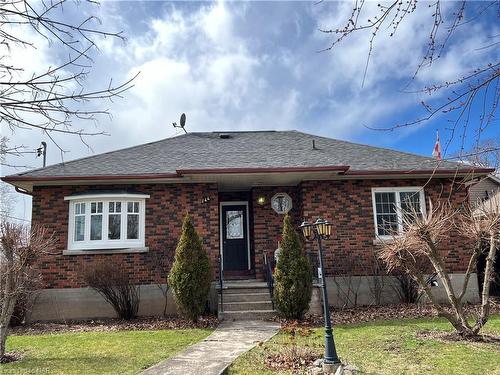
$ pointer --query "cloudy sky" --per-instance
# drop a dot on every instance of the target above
(255, 65)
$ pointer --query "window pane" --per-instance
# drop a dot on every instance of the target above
(133, 207)
(95, 227)
(114, 224)
(132, 227)
(410, 204)
(79, 208)
(96, 207)
(79, 228)
(387, 218)
(387, 224)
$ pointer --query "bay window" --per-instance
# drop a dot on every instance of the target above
(106, 221)
(393, 206)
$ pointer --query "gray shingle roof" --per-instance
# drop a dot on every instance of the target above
(253, 149)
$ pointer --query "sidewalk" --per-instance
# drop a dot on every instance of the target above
(212, 355)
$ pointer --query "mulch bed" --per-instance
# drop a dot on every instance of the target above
(291, 358)
(109, 325)
(362, 314)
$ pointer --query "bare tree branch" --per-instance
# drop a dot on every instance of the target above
(52, 100)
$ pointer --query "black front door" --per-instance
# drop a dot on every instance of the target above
(234, 237)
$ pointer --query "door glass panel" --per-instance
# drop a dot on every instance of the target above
(234, 225)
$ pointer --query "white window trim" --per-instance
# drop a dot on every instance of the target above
(103, 244)
(104, 196)
(399, 213)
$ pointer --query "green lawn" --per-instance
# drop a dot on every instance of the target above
(122, 352)
(389, 347)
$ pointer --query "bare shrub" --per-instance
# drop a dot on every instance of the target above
(23, 306)
(113, 283)
(422, 241)
(20, 246)
(161, 263)
(347, 285)
(407, 288)
(375, 276)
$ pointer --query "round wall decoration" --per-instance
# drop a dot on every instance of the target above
(281, 203)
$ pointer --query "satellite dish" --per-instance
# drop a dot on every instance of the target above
(182, 123)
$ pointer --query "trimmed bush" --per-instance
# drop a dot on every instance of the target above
(293, 275)
(191, 274)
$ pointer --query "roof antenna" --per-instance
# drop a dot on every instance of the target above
(42, 151)
(182, 123)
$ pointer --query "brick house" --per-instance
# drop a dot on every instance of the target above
(127, 207)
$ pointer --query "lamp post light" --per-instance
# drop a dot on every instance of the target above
(321, 230)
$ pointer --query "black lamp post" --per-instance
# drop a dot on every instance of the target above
(321, 230)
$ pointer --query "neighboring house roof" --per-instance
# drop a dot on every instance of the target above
(238, 152)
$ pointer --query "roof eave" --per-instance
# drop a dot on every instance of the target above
(457, 172)
(27, 182)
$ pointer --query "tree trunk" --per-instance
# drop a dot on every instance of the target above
(456, 304)
(6, 314)
(3, 340)
(485, 295)
(9, 296)
(441, 311)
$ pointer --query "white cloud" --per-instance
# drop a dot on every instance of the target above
(249, 66)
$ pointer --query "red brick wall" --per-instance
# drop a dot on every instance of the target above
(165, 210)
(268, 225)
(348, 205)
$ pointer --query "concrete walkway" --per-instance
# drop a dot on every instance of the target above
(214, 354)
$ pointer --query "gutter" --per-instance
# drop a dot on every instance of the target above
(431, 172)
(341, 171)
(94, 177)
(22, 191)
(331, 168)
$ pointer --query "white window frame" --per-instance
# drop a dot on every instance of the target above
(104, 243)
(399, 213)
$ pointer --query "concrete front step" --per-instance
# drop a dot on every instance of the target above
(245, 297)
(248, 315)
(245, 306)
(245, 290)
(245, 300)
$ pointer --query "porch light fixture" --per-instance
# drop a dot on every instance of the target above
(321, 230)
(261, 200)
